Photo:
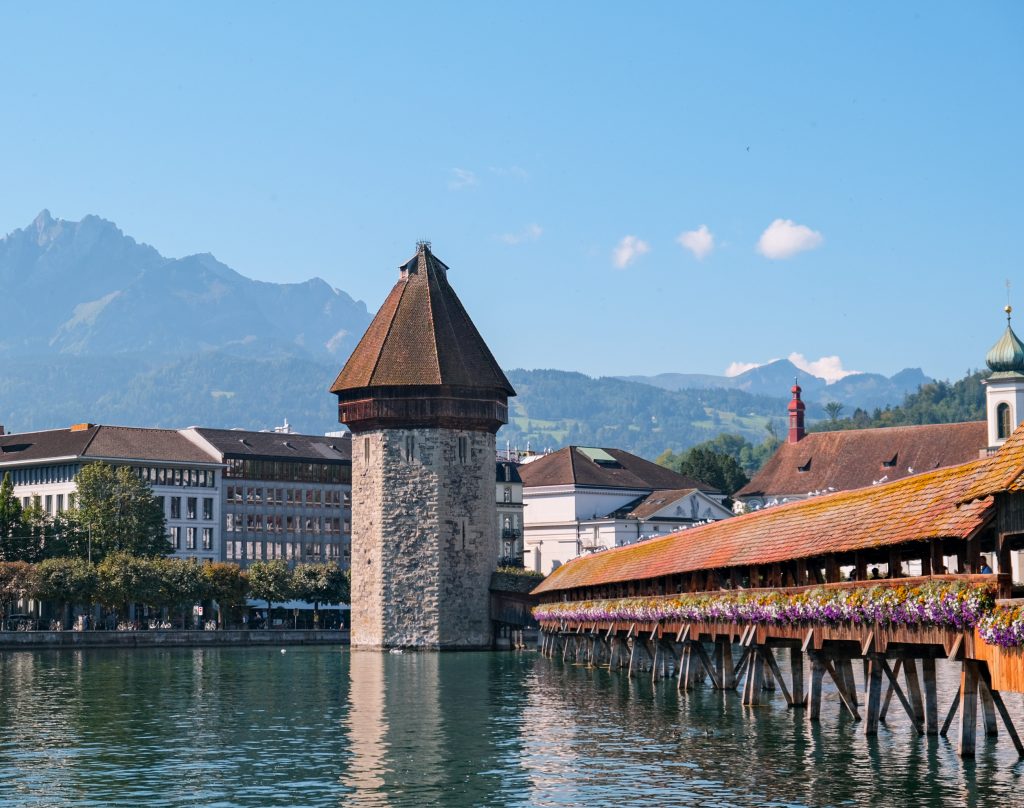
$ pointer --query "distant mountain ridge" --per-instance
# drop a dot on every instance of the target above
(99, 327)
(85, 288)
(867, 391)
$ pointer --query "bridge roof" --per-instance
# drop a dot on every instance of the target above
(1004, 472)
(916, 508)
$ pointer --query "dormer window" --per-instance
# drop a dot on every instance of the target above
(891, 462)
(805, 467)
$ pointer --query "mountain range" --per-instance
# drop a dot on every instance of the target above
(99, 327)
(867, 391)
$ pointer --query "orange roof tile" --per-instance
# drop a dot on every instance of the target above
(916, 508)
(1004, 471)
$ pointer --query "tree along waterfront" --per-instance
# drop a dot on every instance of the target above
(159, 589)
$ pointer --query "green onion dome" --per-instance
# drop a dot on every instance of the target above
(1007, 355)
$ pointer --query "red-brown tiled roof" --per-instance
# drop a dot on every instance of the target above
(570, 466)
(422, 336)
(917, 508)
(1004, 472)
(855, 458)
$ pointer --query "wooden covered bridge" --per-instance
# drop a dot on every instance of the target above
(893, 577)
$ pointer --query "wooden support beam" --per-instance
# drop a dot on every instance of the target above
(968, 707)
(895, 564)
(951, 713)
(988, 709)
(773, 666)
(889, 691)
(727, 673)
(831, 570)
(914, 689)
(845, 669)
(931, 696)
(817, 677)
(938, 560)
(848, 700)
(874, 696)
(985, 677)
(702, 655)
(917, 721)
(796, 676)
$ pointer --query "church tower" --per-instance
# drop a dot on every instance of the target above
(424, 398)
(1004, 389)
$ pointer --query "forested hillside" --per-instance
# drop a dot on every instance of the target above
(555, 408)
(934, 403)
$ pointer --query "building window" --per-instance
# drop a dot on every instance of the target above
(463, 450)
(191, 507)
(207, 538)
(175, 533)
(508, 494)
(60, 504)
(208, 508)
(175, 507)
(410, 448)
(49, 503)
(366, 449)
(1005, 423)
(190, 538)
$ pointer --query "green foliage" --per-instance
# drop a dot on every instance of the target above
(120, 511)
(181, 583)
(123, 578)
(17, 579)
(712, 458)
(833, 409)
(65, 580)
(226, 584)
(320, 583)
(270, 581)
(21, 529)
(934, 403)
(556, 408)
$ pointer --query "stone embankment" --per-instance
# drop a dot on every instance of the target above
(27, 640)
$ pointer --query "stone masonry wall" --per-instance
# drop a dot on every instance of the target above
(423, 542)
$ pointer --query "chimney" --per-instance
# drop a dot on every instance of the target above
(796, 416)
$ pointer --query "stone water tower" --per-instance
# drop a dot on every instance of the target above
(424, 397)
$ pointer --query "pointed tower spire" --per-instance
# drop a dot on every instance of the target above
(796, 415)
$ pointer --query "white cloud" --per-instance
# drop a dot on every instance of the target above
(784, 238)
(531, 232)
(700, 241)
(462, 178)
(515, 172)
(736, 368)
(628, 250)
(829, 368)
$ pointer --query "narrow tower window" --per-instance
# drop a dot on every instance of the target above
(366, 449)
(1005, 424)
(463, 449)
(410, 448)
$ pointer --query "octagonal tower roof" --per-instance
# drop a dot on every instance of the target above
(422, 336)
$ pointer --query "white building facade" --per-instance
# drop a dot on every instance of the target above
(582, 500)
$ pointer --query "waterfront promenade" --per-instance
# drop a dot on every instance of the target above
(169, 638)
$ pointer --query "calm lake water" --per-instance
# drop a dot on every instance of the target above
(322, 726)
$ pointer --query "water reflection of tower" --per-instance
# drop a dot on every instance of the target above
(394, 728)
(427, 729)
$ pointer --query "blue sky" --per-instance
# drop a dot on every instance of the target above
(555, 154)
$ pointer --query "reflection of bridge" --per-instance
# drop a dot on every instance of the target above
(718, 602)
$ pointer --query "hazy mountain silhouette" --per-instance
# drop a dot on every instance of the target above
(85, 288)
(864, 390)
